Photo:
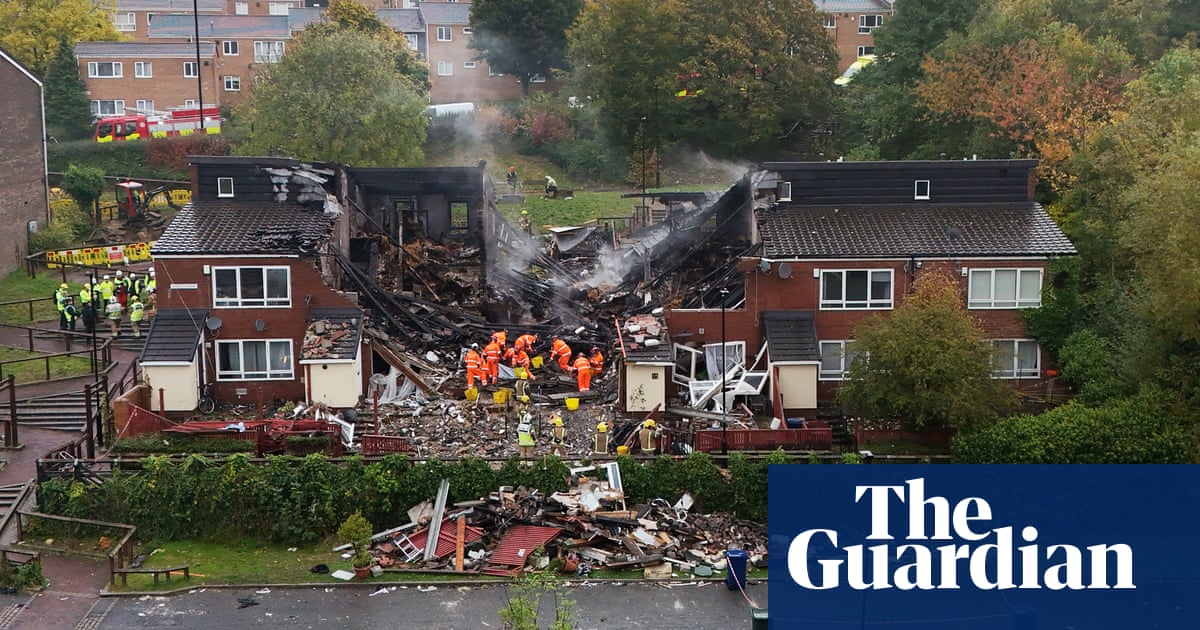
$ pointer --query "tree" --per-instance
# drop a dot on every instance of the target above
(927, 365)
(523, 38)
(67, 108)
(32, 29)
(348, 15)
(85, 184)
(367, 113)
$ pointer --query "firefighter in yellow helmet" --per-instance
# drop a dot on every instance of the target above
(558, 435)
(600, 441)
(648, 437)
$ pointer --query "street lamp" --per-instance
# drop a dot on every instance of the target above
(724, 370)
(94, 321)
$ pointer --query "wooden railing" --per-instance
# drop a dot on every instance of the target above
(69, 339)
(120, 555)
(818, 439)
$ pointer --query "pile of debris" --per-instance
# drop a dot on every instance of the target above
(589, 526)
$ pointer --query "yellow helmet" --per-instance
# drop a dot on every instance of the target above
(602, 427)
(524, 398)
(557, 421)
(63, 285)
(649, 424)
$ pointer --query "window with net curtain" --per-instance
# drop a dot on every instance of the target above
(1005, 288)
(267, 359)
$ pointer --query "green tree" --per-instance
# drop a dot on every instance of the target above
(927, 365)
(348, 15)
(367, 113)
(523, 37)
(31, 29)
(85, 184)
(67, 109)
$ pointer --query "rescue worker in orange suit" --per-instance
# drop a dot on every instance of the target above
(561, 352)
(597, 360)
(491, 358)
(648, 437)
(525, 342)
(474, 365)
(520, 358)
(583, 372)
(501, 337)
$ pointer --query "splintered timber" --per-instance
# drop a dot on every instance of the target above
(986, 559)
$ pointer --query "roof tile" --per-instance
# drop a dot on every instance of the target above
(229, 227)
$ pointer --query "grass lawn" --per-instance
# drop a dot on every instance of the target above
(35, 371)
(18, 286)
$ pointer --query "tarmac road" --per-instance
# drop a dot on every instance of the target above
(684, 606)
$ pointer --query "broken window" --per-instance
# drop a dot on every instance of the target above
(254, 360)
(235, 287)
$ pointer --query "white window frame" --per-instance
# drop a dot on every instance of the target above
(830, 21)
(537, 78)
(1006, 361)
(467, 30)
(241, 8)
(145, 105)
(189, 103)
(445, 69)
(279, 8)
(271, 373)
(116, 71)
(836, 348)
(118, 107)
(863, 51)
(263, 274)
(980, 279)
(870, 303)
(125, 22)
(224, 187)
(233, 83)
(445, 34)
(229, 48)
(469, 65)
(921, 189)
(414, 41)
(868, 23)
(194, 67)
(143, 70)
(268, 51)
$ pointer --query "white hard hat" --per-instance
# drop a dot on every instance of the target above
(119, 273)
(107, 277)
(152, 271)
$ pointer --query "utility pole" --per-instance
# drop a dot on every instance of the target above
(724, 370)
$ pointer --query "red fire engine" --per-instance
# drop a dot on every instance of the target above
(144, 125)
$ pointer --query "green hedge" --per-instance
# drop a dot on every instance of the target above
(302, 500)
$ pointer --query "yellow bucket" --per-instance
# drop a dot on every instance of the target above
(572, 404)
(500, 397)
(536, 361)
(519, 372)
(471, 393)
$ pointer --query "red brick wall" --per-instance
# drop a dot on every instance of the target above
(239, 323)
(22, 163)
(846, 37)
(168, 88)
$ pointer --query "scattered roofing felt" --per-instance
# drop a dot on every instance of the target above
(332, 333)
(521, 541)
(907, 230)
(174, 335)
(143, 49)
(229, 227)
(790, 335)
(227, 26)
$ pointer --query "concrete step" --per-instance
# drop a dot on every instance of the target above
(64, 412)
(8, 497)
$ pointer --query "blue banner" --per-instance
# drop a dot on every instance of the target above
(984, 547)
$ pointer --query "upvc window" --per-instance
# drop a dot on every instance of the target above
(1004, 288)
(1016, 358)
(445, 69)
(268, 52)
(830, 21)
(108, 108)
(868, 23)
(863, 51)
(125, 22)
(241, 8)
(232, 83)
(145, 105)
(190, 70)
(143, 70)
(921, 189)
(836, 359)
(413, 41)
(856, 289)
(265, 359)
(443, 33)
(278, 8)
(224, 187)
(240, 287)
(229, 48)
(104, 70)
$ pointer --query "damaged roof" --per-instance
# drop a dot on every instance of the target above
(885, 231)
(791, 336)
(174, 335)
(231, 227)
(332, 334)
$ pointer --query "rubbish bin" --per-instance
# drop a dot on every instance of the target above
(735, 573)
(758, 619)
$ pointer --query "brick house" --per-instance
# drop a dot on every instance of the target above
(245, 289)
(146, 75)
(22, 160)
(852, 24)
(841, 241)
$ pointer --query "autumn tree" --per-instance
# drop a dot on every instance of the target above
(348, 15)
(67, 109)
(366, 113)
(524, 38)
(32, 29)
(927, 365)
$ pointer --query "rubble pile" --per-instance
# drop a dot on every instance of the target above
(589, 526)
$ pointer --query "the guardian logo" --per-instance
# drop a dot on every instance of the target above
(974, 553)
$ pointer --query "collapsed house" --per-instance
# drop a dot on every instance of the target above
(317, 282)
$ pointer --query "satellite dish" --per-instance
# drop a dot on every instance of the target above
(785, 271)
(213, 323)
(260, 325)
(764, 266)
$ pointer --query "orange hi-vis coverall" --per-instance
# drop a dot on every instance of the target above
(561, 352)
(525, 342)
(521, 359)
(475, 369)
(583, 373)
(491, 355)
(501, 336)
(597, 361)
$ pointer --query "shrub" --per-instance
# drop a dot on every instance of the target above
(171, 153)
